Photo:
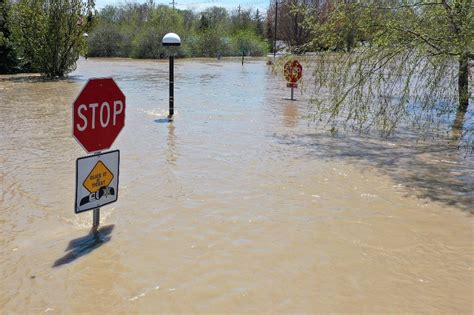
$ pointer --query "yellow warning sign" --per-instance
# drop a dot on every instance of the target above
(100, 176)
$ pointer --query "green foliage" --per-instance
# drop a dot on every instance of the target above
(136, 30)
(161, 20)
(49, 34)
(148, 45)
(8, 60)
(249, 43)
(258, 23)
(108, 41)
(410, 64)
(211, 42)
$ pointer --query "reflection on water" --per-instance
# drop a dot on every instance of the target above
(171, 153)
(235, 206)
(290, 115)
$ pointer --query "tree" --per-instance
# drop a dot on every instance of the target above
(258, 23)
(216, 16)
(249, 43)
(49, 33)
(203, 23)
(136, 30)
(8, 61)
(108, 41)
(290, 28)
(411, 61)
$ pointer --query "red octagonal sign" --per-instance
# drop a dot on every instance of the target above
(98, 114)
(293, 71)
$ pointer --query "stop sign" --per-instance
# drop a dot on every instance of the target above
(293, 71)
(98, 114)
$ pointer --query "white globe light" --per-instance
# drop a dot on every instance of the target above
(171, 39)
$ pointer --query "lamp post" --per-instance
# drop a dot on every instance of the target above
(171, 39)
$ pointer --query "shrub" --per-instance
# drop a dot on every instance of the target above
(49, 34)
(108, 41)
(249, 43)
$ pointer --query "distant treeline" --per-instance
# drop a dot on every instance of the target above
(135, 30)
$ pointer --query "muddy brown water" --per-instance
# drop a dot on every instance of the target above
(239, 205)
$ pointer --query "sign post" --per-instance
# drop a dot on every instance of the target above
(96, 219)
(293, 71)
(95, 214)
(98, 118)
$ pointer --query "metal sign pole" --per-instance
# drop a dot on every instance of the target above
(96, 219)
(96, 215)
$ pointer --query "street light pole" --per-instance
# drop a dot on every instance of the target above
(171, 39)
(171, 110)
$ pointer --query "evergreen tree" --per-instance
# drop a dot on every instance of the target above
(258, 23)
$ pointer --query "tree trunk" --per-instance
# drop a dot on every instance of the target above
(350, 40)
(463, 94)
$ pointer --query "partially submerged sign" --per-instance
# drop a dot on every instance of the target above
(97, 179)
(293, 71)
(98, 114)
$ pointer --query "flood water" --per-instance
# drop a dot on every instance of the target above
(239, 205)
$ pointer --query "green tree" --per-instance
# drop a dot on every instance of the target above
(411, 62)
(8, 60)
(249, 43)
(161, 20)
(50, 34)
(258, 23)
(108, 40)
(216, 17)
(136, 30)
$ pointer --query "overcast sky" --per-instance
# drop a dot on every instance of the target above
(197, 5)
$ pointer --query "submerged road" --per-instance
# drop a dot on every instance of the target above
(239, 205)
